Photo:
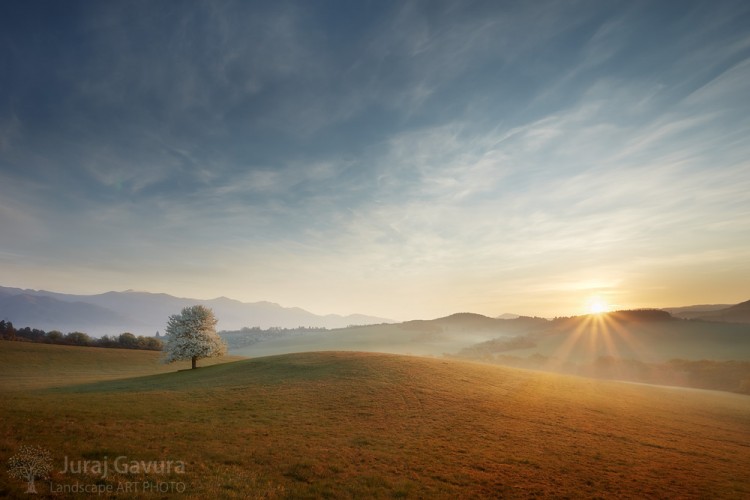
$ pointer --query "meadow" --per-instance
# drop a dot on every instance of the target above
(354, 425)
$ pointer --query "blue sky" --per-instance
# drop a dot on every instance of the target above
(403, 159)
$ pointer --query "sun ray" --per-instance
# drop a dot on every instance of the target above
(564, 351)
(596, 336)
(616, 322)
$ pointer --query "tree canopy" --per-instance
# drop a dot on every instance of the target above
(192, 335)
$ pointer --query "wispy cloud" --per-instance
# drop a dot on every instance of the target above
(437, 156)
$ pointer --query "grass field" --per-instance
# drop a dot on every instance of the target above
(353, 425)
(27, 365)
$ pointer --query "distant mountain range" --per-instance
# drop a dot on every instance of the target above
(145, 313)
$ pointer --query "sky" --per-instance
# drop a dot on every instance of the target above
(401, 159)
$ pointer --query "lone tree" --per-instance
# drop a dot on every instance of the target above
(192, 335)
(30, 463)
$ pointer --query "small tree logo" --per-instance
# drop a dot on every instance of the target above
(30, 463)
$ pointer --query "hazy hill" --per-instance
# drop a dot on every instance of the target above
(638, 345)
(359, 425)
(144, 313)
(738, 313)
(508, 316)
(470, 322)
(648, 346)
(650, 336)
(644, 335)
(687, 311)
(422, 337)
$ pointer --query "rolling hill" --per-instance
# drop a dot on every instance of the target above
(640, 345)
(336, 425)
(687, 311)
(649, 346)
(649, 335)
(420, 337)
(738, 313)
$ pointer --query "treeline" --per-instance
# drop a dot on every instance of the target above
(621, 316)
(237, 339)
(123, 341)
(275, 329)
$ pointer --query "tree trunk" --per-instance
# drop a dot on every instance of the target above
(31, 487)
(194, 359)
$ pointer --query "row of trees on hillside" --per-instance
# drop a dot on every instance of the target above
(237, 339)
(190, 335)
(123, 341)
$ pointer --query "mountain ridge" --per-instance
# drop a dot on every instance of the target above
(725, 313)
(145, 313)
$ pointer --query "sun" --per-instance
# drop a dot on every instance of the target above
(597, 306)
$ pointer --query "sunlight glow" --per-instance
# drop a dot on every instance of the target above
(597, 306)
(601, 339)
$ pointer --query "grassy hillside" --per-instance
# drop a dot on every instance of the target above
(27, 365)
(335, 424)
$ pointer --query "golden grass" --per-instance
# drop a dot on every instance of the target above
(28, 365)
(357, 425)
